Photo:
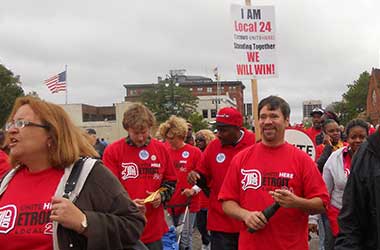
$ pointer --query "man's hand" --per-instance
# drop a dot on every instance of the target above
(157, 199)
(66, 213)
(255, 220)
(192, 177)
(285, 198)
(189, 192)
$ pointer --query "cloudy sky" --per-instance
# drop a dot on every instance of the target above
(322, 45)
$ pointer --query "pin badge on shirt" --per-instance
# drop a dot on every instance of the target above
(144, 154)
(220, 158)
(185, 154)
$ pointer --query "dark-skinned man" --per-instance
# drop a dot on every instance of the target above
(231, 139)
(317, 120)
(273, 171)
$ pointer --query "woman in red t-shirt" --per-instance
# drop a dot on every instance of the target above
(37, 211)
(186, 158)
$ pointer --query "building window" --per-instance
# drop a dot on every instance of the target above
(199, 89)
(213, 113)
(205, 113)
(209, 90)
(133, 92)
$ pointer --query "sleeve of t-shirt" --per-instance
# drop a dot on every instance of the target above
(197, 158)
(230, 189)
(313, 184)
(327, 175)
(169, 174)
(204, 167)
(110, 160)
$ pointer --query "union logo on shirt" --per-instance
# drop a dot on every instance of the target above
(8, 215)
(185, 154)
(130, 171)
(220, 158)
(251, 179)
(144, 155)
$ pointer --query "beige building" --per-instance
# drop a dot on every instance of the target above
(107, 121)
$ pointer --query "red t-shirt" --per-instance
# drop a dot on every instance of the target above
(4, 164)
(25, 209)
(260, 169)
(185, 160)
(215, 162)
(312, 133)
(142, 169)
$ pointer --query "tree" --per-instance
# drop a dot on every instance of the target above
(197, 121)
(166, 98)
(10, 89)
(354, 101)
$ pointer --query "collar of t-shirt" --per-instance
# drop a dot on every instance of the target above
(237, 142)
(129, 141)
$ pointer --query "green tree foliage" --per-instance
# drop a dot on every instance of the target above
(165, 99)
(9, 90)
(354, 101)
(197, 121)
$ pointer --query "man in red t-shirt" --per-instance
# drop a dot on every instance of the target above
(143, 166)
(273, 171)
(232, 138)
(317, 120)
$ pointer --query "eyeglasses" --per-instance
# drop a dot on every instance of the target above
(199, 139)
(22, 123)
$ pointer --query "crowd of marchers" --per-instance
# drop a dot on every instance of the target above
(65, 188)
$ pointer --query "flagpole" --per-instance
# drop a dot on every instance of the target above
(66, 81)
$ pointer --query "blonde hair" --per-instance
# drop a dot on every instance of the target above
(67, 141)
(176, 125)
(139, 117)
(207, 134)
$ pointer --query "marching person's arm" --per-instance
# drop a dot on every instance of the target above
(200, 175)
(327, 150)
(288, 199)
(112, 212)
(169, 179)
(252, 219)
(354, 215)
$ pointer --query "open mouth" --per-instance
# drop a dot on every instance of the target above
(13, 142)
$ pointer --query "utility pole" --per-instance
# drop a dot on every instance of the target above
(172, 84)
(216, 74)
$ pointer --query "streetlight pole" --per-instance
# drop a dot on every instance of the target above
(172, 77)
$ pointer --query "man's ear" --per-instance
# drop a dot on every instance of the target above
(287, 121)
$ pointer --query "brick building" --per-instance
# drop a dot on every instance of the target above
(373, 97)
(231, 92)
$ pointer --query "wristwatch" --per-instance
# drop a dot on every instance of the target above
(83, 224)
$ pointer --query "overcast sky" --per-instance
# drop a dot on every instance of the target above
(322, 45)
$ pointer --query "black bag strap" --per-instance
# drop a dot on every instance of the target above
(73, 177)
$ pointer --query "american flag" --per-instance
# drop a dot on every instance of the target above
(57, 82)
